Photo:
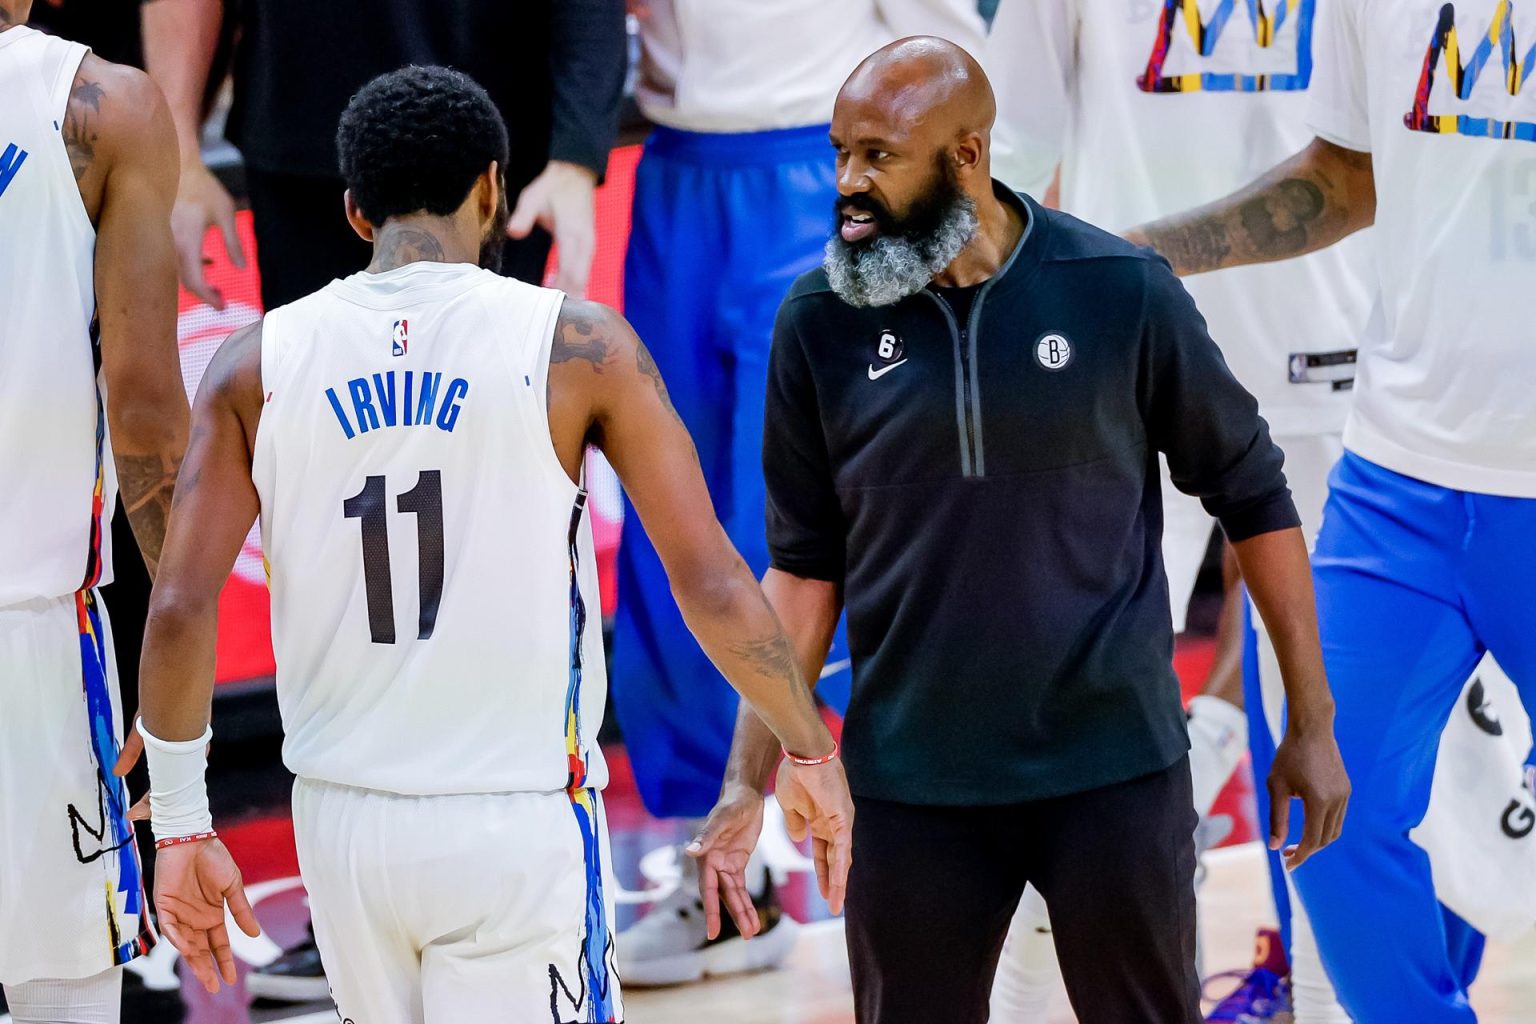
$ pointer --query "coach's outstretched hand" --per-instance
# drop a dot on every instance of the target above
(192, 884)
(817, 803)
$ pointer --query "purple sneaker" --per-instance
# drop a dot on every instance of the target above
(1263, 994)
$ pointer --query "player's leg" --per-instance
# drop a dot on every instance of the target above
(669, 699)
(526, 934)
(1027, 971)
(349, 843)
(1218, 724)
(1217, 727)
(93, 1000)
(71, 896)
(1118, 872)
(1501, 577)
(713, 315)
(928, 906)
(791, 185)
(1397, 649)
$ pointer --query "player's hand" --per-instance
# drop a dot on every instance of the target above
(202, 203)
(133, 749)
(722, 848)
(816, 802)
(193, 882)
(1307, 767)
(559, 200)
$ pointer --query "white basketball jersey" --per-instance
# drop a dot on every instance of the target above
(435, 611)
(55, 460)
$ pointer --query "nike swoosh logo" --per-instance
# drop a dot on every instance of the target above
(875, 374)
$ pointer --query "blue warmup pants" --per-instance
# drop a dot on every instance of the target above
(1414, 583)
(1464, 944)
(722, 226)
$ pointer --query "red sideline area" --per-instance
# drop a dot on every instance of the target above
(245, 643)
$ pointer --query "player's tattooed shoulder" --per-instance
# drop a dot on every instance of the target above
(582, 332)
(81, 129)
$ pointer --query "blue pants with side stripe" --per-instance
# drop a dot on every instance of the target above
(1414, 583)
(722, 226)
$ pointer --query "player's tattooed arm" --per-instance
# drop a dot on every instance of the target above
(146, 484)
(122, 146)
(596, 361)
(82, 130)
(605, 386)
(1315, 198)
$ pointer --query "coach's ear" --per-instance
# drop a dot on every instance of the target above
(355, 217)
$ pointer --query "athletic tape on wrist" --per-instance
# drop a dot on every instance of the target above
(178, 787)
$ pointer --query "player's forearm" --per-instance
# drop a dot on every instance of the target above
(1311, 201)
(177, 666)
(739, 631)
(180, 37)
(1279, 578)
(149, 440)
(808, 610)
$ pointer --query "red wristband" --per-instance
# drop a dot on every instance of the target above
(178, 840)
(812, 762)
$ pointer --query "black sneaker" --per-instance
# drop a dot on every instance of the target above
(294, 977)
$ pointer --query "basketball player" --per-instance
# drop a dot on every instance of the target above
(1424, 123)
(91, 400)
(965, 410)
(412, 437)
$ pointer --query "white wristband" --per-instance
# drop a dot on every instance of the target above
(178, 788)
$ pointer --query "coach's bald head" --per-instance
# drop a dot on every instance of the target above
(912, 129)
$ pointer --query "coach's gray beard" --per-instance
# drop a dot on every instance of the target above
(892, 267)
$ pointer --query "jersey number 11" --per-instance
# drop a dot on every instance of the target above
(426, 501)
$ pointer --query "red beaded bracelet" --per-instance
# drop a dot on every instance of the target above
(812, 762)
(178, 840)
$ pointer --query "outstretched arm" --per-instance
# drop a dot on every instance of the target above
(118, 131)
(1311, 201)
(214, 508)
(634, 423)
(630, 416)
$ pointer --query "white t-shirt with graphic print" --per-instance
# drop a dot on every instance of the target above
(1446, 382)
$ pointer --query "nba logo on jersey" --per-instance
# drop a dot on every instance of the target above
(399, 340)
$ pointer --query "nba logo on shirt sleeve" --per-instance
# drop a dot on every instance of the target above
(399, 339)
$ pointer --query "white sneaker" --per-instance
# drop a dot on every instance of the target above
(668, 945)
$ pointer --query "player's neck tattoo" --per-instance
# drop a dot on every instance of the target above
(398, 244)
(6, 21)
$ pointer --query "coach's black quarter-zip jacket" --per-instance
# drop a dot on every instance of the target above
(987, 492)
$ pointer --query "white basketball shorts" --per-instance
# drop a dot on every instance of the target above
(71, 892)
(450, 909)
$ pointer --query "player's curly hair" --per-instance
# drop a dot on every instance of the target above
(415, 139)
